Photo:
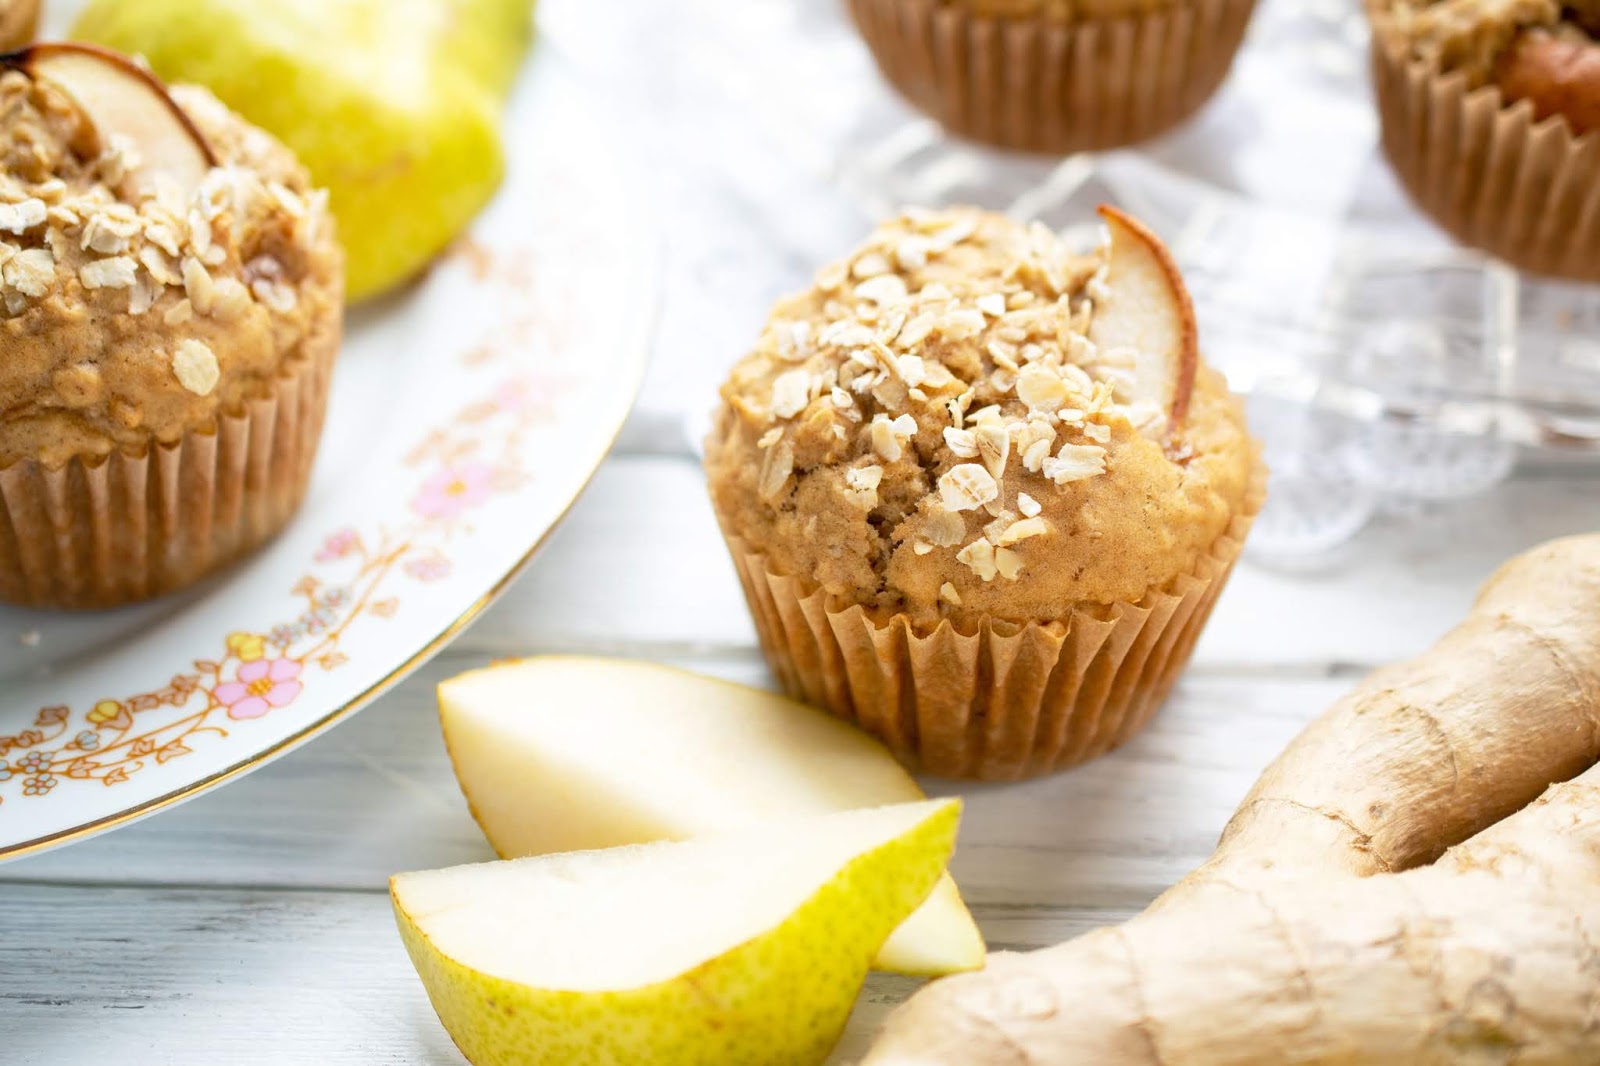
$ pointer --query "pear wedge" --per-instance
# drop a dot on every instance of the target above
(393, 105)
(1149, 311)
(744, 948)
(557, 753)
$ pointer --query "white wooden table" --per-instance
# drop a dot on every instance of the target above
(252, 925)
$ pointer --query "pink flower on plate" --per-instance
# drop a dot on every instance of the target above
(339, 544)
(453, 490)
(261, 686)
(430, 567)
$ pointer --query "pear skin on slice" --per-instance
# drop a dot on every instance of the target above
(748, 948)
(1149, 311)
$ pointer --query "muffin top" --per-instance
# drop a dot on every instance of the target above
(930, 430)
(133, 309)
(1477, 37)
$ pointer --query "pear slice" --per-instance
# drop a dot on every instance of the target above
(744, 948)
(559, 753)
(1149, 311)
(119, 97)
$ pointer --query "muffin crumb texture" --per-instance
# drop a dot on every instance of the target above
(133, 311)
(930, 431)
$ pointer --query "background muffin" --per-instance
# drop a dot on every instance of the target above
(1055, 76)
(938, 455)
(1490, 115)
(170, 313)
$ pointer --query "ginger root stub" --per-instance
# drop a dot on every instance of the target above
(1407, 883)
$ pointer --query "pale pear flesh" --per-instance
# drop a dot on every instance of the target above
(120, 98)
(1148, 309)
(558, 753)
(748, 947)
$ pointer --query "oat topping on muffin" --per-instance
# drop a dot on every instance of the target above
(1469, 35)
(132, 308)
(1544, 52)
(928, 424)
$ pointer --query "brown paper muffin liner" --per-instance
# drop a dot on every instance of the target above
(115, 530)
(1527, 192)
(1007, 701)
(1050, 86)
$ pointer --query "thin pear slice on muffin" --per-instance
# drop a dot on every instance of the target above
(1147, 308)
(122, 99)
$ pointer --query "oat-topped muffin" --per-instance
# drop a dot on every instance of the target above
(1055, 76)
(1489, 110)
(170, 304)
(964, 426)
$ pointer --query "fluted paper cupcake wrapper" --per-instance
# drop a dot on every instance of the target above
(1486, 171)
(1050, 86)
(1007, 701)
(129, 527)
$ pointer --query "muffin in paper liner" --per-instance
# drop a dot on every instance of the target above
(172, 308)
(100, 533)
(1007, 701)
(1055, 86)
(1490, 173)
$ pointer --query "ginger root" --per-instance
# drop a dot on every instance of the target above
(1394, 889)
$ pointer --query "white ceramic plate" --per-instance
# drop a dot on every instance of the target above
(466, 417)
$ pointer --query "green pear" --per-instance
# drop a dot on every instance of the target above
(744, 948)
(394, 105)
(559, 753)
(489, 38)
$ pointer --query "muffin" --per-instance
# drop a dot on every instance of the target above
(980, 492)
(1051, 75)
(170, 309)
(18, 21)
(1491, 119)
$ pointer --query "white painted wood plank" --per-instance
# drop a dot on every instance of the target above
(1397, 587)
(638, 561)
(191, 976)
(377, 796)
(640, 565)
